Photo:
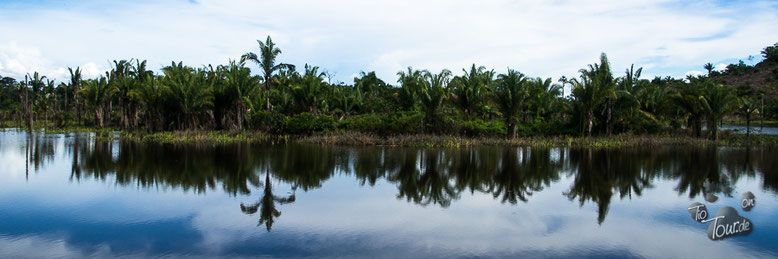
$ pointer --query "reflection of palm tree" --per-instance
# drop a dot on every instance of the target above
(426, 182)
(434, 181)
(517, 178)
(602, 172)
(267, 205)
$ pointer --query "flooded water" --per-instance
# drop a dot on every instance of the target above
(71, 196)
(755, 129)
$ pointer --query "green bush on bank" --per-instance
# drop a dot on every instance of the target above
(480, 128)
(307, 123)
(273, 122)
(366, 123)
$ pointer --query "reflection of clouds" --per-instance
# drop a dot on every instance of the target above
(38, 247)
(13, 165)
(479, 225)
(343, 216)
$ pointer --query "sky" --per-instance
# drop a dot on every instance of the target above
(539, 38)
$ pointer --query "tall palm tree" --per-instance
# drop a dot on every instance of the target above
(689, 98)
(410, 82)
(748, 107)
(35, 84)
(96, 94)
(150, 95)
(239, 89)
(74, 86)
(544, 97)
(120, 77)
(719, 101)
(470, 90)
(593, 90)
(347, 99)
(510, 93)
(709, 67)
(189, 91)
(310, 89)
(432, 94)
(267, 62)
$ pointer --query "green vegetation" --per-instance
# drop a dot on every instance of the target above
(480, 103)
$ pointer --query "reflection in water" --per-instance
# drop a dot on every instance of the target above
(267, 205)
(427, 177)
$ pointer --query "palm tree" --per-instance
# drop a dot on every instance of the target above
(409, 87)
(309, 89)
(347, 99)
(371, 87)
(74, 87)
(36, 85)
(470, 91)
(432, 94)
(689, 98)
(594, 89)
(120, 77)
(189, 91)
(544, 97)
(709, 67)
(510, 93)
(748, 107)
(267, 62)
(719, 101)
(239, 89)
(96, 94)
(150, 95)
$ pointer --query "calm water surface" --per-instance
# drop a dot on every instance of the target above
(71, 196)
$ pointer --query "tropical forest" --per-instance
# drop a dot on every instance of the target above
(257, 93)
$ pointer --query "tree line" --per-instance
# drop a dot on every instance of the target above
(285, 99)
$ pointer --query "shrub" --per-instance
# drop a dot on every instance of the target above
(307, 123)
(405, 123)
(484, 128)
(268, 121)
(372, 123)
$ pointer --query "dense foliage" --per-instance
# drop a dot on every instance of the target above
(479, 102)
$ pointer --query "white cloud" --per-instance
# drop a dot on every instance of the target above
(540, 38)
(17, 61)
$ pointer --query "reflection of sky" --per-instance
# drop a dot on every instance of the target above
(52, 215)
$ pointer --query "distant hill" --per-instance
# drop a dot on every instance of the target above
(760, 77)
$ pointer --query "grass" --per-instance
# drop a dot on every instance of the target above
(352, 138)
(209, 137)
(420, 140)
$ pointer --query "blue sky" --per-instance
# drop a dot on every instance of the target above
(538, 38)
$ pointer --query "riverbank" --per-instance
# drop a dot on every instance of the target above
(420, 140)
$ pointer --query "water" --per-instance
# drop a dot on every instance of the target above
(72, 196)
(755, 129)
